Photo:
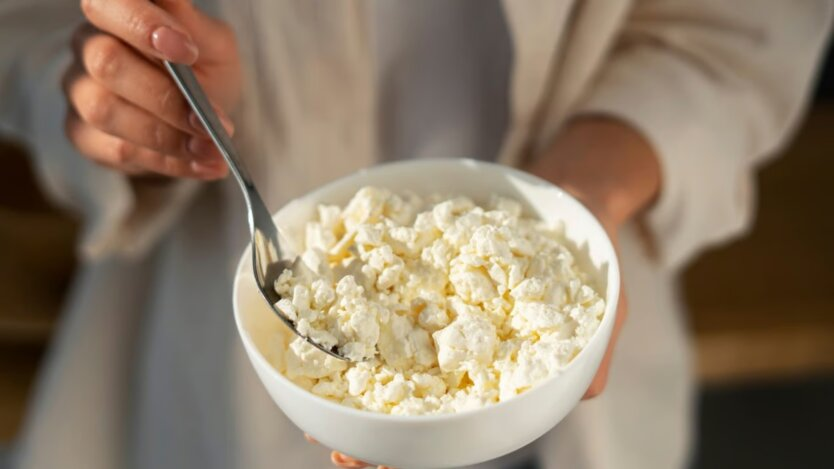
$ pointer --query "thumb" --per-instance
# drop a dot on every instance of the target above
(214, 38)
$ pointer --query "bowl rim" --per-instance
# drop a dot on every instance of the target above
(608, 317)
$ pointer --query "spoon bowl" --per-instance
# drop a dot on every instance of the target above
(267, 261)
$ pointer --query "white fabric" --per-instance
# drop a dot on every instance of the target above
(34, 54)
(739, 78)
(147, 370)
(442, 70)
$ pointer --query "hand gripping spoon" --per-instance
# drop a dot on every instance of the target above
(266, 251)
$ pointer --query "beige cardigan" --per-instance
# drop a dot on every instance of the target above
(715, 86)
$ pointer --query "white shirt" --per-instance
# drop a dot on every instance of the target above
(442, 71)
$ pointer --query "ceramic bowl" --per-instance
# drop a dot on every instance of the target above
(451, 440)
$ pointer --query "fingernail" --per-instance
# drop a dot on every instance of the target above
(206, 170)
(227, 123)
(174, 45)
(195, 122)
(204, 150)
(338, 458)
(345, 461)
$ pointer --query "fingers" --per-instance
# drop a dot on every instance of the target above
(111, 114)
(145, 26)
(601, 378)
(214, 38)
(113, 64)
(341, 460)
(128, 157)
(218, 52)
(105, 111)
(116, 67)
(346, 462)
(127, 113)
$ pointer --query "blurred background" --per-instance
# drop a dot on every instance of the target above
(761, 309)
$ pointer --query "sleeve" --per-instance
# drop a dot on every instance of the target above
(120, 217)
(716, 87)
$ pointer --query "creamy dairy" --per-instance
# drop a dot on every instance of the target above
(444, 305)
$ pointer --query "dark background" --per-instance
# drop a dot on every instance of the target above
(761, 309)
(778, 284)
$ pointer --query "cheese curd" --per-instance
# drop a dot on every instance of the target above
(441, 304)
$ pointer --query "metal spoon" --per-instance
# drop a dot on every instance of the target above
(266, 251)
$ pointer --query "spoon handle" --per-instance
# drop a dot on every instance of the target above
(196, 97)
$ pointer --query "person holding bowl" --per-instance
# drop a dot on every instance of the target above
(653, 113)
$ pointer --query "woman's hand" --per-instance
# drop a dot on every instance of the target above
(340, 460)
(615, 173)
(125, 112)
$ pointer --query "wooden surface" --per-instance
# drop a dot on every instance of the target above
(761, 308)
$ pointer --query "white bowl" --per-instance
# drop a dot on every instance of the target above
(436, 440)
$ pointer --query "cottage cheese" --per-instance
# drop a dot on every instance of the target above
(443, 305)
